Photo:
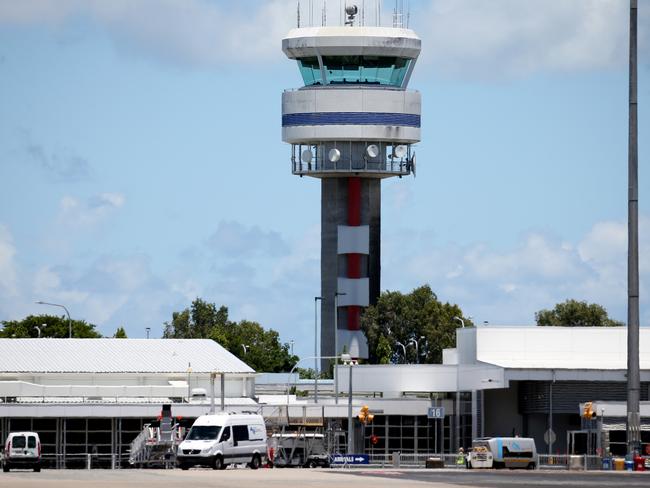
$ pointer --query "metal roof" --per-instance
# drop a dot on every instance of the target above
(117, 356)
(580, 348)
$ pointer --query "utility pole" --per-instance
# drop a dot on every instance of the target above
(633, 374)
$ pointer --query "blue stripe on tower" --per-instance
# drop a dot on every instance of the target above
(351, 118)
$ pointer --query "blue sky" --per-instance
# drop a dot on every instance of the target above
(142, 164)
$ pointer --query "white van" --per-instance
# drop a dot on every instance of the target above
(22, 450)
(503, 452)
(222, 439)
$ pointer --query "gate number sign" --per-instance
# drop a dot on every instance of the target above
(436, 412)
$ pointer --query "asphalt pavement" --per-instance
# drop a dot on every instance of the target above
(319, 478)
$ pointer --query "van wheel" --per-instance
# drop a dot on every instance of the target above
(530, 466)
(5, 468)
(218, 463)
(255, 462)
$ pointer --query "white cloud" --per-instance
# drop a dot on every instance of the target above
(505, 38)
(77, 213)
(510, 286)
(475, 38)
(200, 32)
(502, 286)
(8, 275)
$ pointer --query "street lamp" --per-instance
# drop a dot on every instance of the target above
(349, 363)
(413, 340)
(245, 348)
(291, 343)
(462, 322)
(38, 330)
(148, 329)
(66, 311)
(336, 345)
(398, 343)
(316, 347)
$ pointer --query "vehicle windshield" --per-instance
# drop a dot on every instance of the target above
(18, 441)
(203, 433)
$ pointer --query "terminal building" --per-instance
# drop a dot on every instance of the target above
(93, 396)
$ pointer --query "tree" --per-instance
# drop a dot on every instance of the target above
(399, 318)
(49, 326)
(573, 313)
(120, 333)
(259, 348)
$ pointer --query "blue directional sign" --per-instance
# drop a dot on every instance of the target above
(436, 412)
(349, 459)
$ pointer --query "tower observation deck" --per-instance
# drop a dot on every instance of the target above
(352, 124)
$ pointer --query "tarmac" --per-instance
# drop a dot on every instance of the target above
(317, 478)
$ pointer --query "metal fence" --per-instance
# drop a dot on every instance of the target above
(579, 462)
(391, 460)
(408, 460)
(84, 461)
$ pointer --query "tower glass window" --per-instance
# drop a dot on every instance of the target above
(310, 71)
(364, 70)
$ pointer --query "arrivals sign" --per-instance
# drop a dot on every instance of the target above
(349, 459)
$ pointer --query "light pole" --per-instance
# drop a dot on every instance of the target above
(66, 311)
(398, 343)
(291, 342)
(633, 371)
(316, 348)
(462, 322)
(417, 349)
(350, 363)
(336, 345)
(245, 348)
(148, 329)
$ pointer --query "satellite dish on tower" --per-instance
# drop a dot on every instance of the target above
(306, 156)
(400, 151)
(413, 164)
(372, 151)
(334, 155)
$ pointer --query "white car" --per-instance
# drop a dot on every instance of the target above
(222, 439)
(22, 450)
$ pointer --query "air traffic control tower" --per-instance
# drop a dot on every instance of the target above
(352, 124)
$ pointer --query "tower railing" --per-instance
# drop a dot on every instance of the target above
(387, 168)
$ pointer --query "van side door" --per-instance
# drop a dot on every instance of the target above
(240, 436)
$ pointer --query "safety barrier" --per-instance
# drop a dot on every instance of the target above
(574, 462)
